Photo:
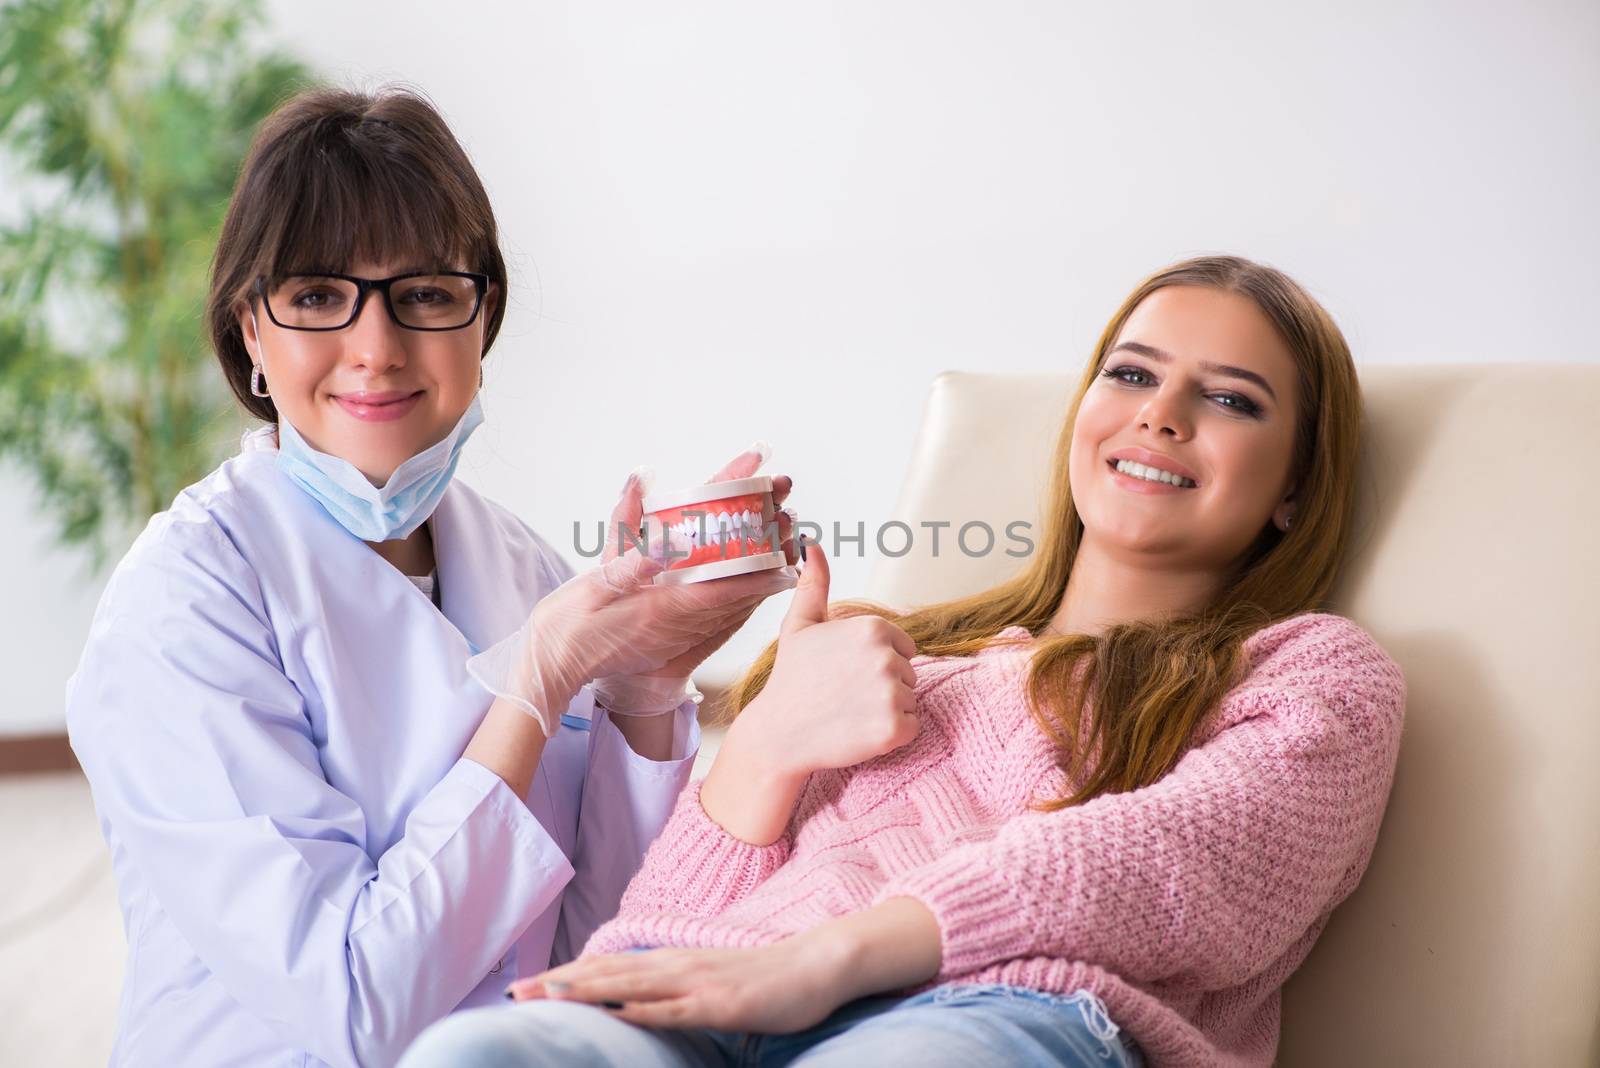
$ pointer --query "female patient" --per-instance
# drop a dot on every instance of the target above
(1096, 815)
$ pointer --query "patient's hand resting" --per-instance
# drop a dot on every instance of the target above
(842, 692)
(773, 989)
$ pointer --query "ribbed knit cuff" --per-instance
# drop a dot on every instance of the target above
(697, 867)
(981, 921)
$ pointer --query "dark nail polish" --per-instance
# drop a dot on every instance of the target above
(611, 1004)
(802, 547)
(510, 996)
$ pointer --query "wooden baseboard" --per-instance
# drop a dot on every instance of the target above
(29, 753)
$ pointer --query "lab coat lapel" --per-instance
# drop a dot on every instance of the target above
(486, 590)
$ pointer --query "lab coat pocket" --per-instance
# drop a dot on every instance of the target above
(557, 789)
(579, 715)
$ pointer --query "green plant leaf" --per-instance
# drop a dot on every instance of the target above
(128, 120)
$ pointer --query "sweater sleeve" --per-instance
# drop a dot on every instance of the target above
(1207, 876)
(696, 868)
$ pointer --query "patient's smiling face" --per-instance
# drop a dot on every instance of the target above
(1233, 436)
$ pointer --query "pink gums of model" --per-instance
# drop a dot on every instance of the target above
(731, 528)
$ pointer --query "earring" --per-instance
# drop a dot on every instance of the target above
(258, 382)
(1288, 521)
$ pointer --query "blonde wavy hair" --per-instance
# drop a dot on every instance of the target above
(1153, 682)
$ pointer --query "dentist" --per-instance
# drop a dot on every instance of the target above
(363, 747)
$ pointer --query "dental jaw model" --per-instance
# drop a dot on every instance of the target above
(728, 528)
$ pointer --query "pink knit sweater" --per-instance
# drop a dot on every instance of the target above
(1184, 905)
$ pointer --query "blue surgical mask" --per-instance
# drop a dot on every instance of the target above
(377, 513)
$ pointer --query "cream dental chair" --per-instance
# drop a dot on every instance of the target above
(1474, 938)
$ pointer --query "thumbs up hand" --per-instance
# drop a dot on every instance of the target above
(841, 692)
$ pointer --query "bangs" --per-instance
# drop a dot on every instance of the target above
(356, 194)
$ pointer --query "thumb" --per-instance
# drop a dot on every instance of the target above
(745, 464)
(628, 512)
(627, 572)
(810, 603)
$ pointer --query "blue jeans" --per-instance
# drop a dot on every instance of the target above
(960, 1025)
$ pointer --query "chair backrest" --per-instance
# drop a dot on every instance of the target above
(1474, 938)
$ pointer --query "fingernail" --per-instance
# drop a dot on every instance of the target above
(611, 1004)
(761, 447)
(510, 996)
(644, 475)
(802, 547)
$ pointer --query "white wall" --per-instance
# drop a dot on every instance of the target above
(729, 221)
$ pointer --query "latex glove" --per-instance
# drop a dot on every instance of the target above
(613, 621)
(653, 693)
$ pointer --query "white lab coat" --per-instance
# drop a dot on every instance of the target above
(272, 717)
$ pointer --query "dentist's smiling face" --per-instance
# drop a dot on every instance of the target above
(374, 393)
(1233, 437)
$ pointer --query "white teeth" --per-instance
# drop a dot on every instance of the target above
(719, 527)
(1152, 474)
(715, 528)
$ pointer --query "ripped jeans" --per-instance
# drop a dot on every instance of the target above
(958, 1025)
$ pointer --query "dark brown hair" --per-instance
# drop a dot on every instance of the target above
(335, 176)
(1153, 681)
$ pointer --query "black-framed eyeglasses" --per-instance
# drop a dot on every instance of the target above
(419, 300)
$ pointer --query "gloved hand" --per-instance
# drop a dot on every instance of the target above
(612, 622)
(655, 692)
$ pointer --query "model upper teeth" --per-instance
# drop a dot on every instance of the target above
(1154, 474)
(712, 528)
